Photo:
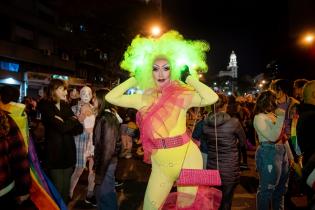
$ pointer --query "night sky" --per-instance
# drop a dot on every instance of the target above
(255, 30)
(258, 31)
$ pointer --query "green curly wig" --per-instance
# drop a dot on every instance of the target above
(140, 55)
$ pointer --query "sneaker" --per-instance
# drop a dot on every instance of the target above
(244, 166)
(91, 200)
(118, 183)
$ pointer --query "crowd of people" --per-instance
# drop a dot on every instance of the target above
(89, 129)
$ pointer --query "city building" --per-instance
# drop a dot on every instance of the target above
(231, 69)
(38, 38)
(228, 78)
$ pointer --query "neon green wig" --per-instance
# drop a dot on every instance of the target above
(141, 54)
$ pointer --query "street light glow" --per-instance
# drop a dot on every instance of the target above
(307, 39)
(155, 30)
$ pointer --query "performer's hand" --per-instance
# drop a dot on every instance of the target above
(184, 74)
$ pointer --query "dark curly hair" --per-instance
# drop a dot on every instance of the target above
(283, 85)
(223, 100)
(266, 102)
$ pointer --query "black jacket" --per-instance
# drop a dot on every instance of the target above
(305, 130)
(229, 131)
(105, 137)
(60, 147)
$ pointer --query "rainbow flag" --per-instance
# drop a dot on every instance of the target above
(42, 192)
(294, 139)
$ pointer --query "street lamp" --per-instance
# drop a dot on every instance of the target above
(309, 38)
(155, 31)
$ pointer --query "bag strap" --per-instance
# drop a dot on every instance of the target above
(195, 121)
(216, 136)
(216, 141)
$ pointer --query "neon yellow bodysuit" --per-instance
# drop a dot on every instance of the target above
(167, 163)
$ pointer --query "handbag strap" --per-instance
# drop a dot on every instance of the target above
(216, 140)
(195, 121)
(216, 136)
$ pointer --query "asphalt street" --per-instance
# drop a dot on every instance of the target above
(135, 174)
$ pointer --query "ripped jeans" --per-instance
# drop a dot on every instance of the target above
(273, 168)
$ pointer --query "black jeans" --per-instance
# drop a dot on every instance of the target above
(61, 179)
(227, 195)
(242, 154)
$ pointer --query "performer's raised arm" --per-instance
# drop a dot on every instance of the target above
(116, 96)
(204, 95)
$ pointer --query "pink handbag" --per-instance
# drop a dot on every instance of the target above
(199, 177)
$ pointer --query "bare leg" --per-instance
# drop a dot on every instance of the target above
(74, 179)
(91, 178)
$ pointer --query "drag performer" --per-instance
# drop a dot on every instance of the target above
(156, 67)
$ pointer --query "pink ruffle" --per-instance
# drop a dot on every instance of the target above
(207, 198)
(152, 121)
